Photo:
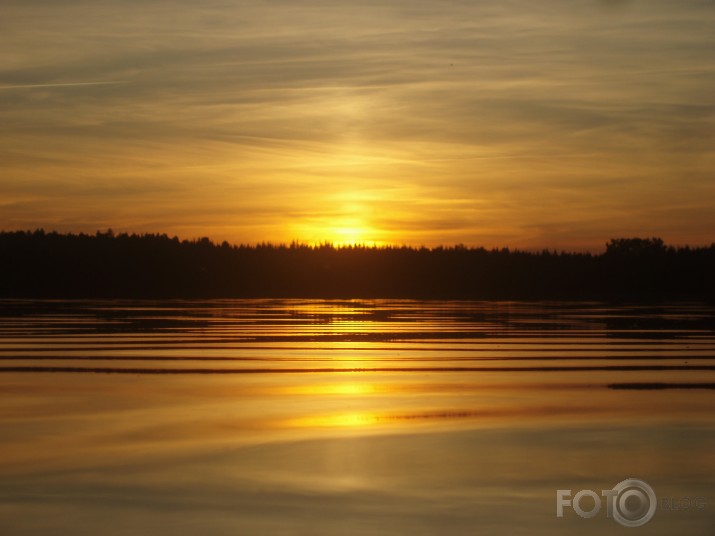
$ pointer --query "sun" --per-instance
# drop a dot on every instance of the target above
(341, 232)
(352, 231)
(344, 218)
(348, 235)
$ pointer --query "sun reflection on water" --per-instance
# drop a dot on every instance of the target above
(339, 420)
(345, 389)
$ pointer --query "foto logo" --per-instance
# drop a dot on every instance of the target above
(631, 503)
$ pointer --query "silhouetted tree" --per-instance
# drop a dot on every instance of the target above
(52, 265)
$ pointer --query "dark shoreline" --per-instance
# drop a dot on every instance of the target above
(66, 266)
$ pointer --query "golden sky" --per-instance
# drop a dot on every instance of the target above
(521, 123)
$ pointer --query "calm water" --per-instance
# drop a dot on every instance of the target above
(350, 417)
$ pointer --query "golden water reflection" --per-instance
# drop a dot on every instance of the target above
(420, 444)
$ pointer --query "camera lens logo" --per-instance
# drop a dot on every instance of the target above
(632, 502)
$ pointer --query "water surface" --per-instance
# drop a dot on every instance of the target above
(349, 417)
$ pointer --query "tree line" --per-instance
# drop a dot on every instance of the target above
(39, 264)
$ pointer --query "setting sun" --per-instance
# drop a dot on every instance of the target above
(350, 234)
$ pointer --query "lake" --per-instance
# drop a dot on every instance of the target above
(311, 417)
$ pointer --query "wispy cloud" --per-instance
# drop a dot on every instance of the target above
(65, 84)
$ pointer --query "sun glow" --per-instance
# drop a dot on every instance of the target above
(352, 233)
(342, 231)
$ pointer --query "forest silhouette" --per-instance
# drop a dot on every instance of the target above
(39, 264)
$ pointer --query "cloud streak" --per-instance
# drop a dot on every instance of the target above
(65, 84)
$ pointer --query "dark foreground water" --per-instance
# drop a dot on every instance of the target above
(352, 417)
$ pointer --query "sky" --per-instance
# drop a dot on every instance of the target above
(521, 123)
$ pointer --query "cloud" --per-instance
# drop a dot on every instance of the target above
(65, 84)
(614, 3)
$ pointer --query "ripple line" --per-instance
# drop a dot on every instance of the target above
(110, 370)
